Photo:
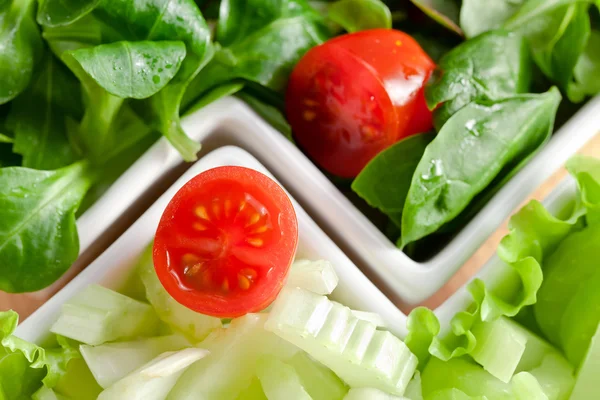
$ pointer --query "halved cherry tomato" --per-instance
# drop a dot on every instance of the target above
(226, 241)
(355, 95)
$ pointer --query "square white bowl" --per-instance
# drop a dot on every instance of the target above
(229, 121)
(116, 265)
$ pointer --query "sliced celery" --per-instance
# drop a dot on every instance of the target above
(526, 387)
(316, 276)
(589, 372)
(154, 380)
(499, 347)
(318, 380)
(112, 361)
(454, 394)
(193, 325)
(98, 315)
(253, 392)
(279, 380)
(373, 318)
(371, 394)
(555, 376)
(414, 390)
(358, 353)
(47, 394)
(232, 363)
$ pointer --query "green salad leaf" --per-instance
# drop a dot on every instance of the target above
(358, 15)
(132, 69)
(269, 113)
(490, 67)
(445, 12)
(62, 12)
(587, 71)
(21, 47)
(38, 234)
(474, 147)
(38, 117)
(479, 16)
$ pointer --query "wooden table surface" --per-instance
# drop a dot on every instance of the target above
(25, 304)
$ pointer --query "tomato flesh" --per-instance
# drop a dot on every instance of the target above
(226, 241)
(356, 95)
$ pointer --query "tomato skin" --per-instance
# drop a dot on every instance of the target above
(371, 96)
(225, 242)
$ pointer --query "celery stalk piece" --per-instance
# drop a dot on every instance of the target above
(98, 315)
(111, 362)
(499, 347)
(374, 318)
(252, 392)
(316, 276)
(279, 380)
(193, 325)
(526, 387)
(454, 394)
(232, 364)
(154, 380)
(45, 393)
(555, 376)
(318, 380)
(353, 349)
(371, 394)
(587, 377)
(414, 390)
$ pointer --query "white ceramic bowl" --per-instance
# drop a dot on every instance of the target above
(230, 122)
(115, 265)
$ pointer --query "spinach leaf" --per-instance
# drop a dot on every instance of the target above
(240, 18)
(166, 20)
(5, 139)
(269, 113)
(472, 148)
(478, 16)
(445, 12)
(226, 89)
(21, 47)
(587, 71)
(532, 9)
(39, 115)
(491, 66)
(86, 32)
(132, 69)
(385, 181)
(38, 235)
(358, 15)
(63, 12)
(266, 57)
(557, 39)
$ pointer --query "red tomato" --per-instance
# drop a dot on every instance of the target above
(355, 95)
(226, 241)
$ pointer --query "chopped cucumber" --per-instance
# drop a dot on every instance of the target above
(370, 394)
(193, 325)
(358, 353)
(232, 363)
(98, 315)
(252, 392)
(112, 361)
(318, 380)
(47, 394)
(373, 318)
(154, 380)
(316, 276)
(279, 380)
(526, 387)
(499, 347)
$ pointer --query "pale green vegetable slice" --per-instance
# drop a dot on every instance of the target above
(111, 362)
(555, 376)
(414, 390)
(193, 325)
(318, 380)
(526, 387)
(587, 377)
(279, 380)
(154, 380)
(98, 315)
(45, 393)
(371, 394)
(232, 364)
(317, 276)
(373, 318)
(499, 347)
(353, 349)
(454, 394)
(253, 392)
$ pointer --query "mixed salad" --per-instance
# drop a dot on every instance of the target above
(219, 310)
(419, 124)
